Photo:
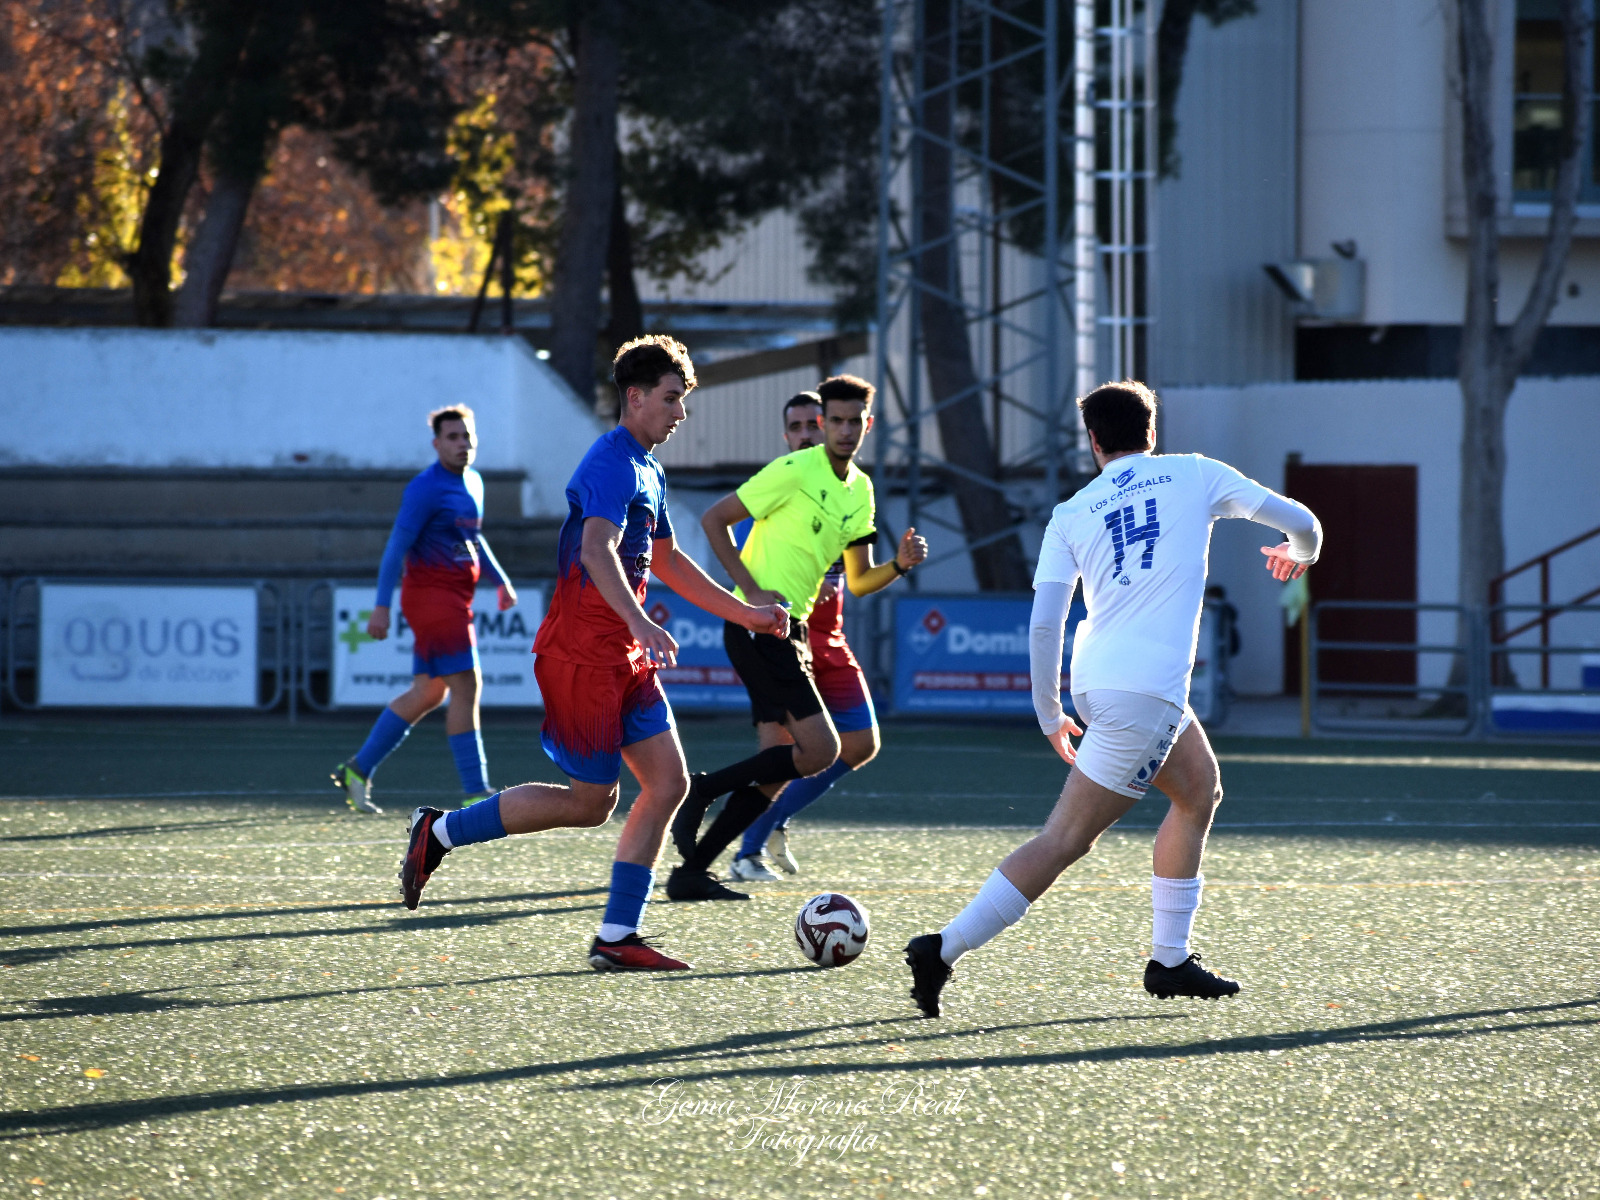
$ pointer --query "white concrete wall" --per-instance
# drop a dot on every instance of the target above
(1552, 480)
(1374, 140)
(154, 398)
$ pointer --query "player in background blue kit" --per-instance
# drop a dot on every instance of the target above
(438, 542)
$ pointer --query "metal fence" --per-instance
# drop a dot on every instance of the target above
(1448, 680)
(1459, 685)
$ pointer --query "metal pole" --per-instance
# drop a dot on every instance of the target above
(1054, 401)
(1305, 667)
(1083, 199)
(880, 450)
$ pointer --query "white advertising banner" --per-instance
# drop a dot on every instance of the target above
(367, 673)
(133, 645)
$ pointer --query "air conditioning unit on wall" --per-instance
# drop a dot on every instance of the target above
(1326, 289)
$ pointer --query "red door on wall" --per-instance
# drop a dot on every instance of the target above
(1369, 552)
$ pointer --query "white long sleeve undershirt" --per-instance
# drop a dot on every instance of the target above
(1297, 523)
(1047, 637)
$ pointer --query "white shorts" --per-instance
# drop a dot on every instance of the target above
(1127, 737)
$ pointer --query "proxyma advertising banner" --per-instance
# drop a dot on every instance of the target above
(132, 645)
(961, 654)
(367, 673)
(704, 678)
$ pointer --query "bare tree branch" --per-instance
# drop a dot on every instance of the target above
(1576, 111)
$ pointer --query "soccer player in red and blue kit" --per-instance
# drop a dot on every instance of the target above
(438, 542)
(597, 658)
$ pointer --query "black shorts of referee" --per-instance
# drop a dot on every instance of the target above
(776, 671)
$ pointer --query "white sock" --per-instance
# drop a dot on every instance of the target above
(997, 906)
(443, 836)
(1175, 902)
(612, 932)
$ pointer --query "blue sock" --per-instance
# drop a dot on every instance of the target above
(630, 891)
(792, 799)
(388, 732)
(478, 822)
(467, 748)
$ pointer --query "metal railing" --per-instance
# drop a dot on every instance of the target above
(1547, 611)
(1454, 707)
(1468, 695)
(1547, 709)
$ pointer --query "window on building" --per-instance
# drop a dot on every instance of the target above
(1536, 122)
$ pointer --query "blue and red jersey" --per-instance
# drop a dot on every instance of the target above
(622, 482)
(437, 538)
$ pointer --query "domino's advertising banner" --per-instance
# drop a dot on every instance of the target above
(368, 673)
(704, 678)
(132, 645)
(965, 654)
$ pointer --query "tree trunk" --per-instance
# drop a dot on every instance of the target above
(195, 108)
(586, 221)
(947, 349)
(627, 313)
(209, 256)
(1492, 355)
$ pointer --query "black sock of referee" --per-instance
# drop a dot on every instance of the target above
(737, 815)
(775, 764)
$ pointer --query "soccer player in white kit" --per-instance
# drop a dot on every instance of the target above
(1138, 536)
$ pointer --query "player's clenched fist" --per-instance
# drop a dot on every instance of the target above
(768, 618)
(913, 549)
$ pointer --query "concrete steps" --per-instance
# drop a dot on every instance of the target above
(193, 523)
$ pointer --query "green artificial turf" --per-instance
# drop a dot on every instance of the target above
(209, 989)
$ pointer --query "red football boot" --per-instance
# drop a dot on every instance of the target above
(632, 953)
(422, 857)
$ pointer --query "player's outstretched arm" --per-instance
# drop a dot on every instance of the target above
(718, 524)
(1290, 559)
(863, 576)
(1046, 639)
(1232, 494)
(684, 576)
(599, 557)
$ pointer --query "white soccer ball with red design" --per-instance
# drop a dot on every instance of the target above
(831, 929)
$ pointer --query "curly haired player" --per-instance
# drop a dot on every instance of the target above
(598, 654)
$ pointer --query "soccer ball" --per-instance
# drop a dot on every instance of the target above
(831, 929)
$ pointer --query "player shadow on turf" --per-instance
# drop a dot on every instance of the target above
(154, 1000)
(1407, 1029)
(407, 924)
(142, 830)
(184, 918)
(17, 1124)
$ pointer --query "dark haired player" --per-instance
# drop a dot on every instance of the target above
(1138, 536)
(810, 508)
(598, 654)
(840, 682)
(438, 542)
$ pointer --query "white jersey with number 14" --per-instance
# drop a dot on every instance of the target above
(1140, 537)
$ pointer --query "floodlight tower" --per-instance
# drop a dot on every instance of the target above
(1015, 172)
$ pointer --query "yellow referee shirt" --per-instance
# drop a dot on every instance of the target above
(805, 516)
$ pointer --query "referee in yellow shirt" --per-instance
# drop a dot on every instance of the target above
(809, 508)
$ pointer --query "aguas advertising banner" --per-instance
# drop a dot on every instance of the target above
(703, 678)
(368, 673)
(959, 654)
(135, 645)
